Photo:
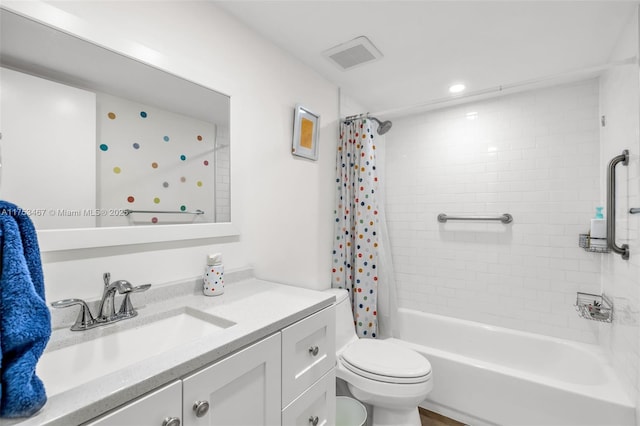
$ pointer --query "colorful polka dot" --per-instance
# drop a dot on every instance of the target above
(117, 170)
(143, 114)
(183, 208)
(136, 145)
(199, 183)
(111, 116)
(205, 162)
(183, 157)
(199, 138)
(154, 220)
(166, 138)
(183, 179)
(130, 199)
(104, 147)
(156, 200)
(165, 184)
(154, 165)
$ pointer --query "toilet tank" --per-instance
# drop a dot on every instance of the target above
(345, 326)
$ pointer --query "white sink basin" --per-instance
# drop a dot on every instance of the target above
(117, 348)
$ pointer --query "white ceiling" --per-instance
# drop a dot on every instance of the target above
(428, 45)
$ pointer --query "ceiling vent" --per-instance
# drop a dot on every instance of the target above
(353, 53)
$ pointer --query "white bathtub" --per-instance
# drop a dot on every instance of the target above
(486, 375)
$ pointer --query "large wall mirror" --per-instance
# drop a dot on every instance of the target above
(94, 140)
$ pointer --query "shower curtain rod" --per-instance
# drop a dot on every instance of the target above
(511, 88)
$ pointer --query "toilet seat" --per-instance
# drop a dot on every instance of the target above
(385, 362)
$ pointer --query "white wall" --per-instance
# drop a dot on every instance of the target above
(534, 155)
(30, 152)
(619, 98)
(281, 204)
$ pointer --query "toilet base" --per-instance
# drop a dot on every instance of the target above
(386, 417)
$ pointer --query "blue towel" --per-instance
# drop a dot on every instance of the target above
(25, 322)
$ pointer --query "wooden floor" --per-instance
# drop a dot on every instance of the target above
(429, 418)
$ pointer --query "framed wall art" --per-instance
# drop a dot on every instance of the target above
(305, 133)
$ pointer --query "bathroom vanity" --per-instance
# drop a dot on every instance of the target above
(262, 353)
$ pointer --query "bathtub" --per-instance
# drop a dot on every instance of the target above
(486, 375)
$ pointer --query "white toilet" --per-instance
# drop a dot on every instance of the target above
(391, 378)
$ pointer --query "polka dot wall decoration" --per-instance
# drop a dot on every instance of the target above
(154, 220)
(152, 138)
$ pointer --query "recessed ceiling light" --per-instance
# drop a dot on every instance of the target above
(457, 88)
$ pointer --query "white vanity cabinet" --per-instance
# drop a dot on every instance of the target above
(158, 408)
(243, 389)
(285, 379)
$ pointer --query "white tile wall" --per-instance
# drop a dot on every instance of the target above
(621, 278)
(223, 173)
(534, 155)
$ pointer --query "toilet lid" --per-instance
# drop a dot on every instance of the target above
(386, 362)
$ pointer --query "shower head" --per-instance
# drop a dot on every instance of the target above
(383, 126)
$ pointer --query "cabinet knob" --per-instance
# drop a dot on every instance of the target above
(313, 350)
(314, 420)
(171, 421)
(201, 408)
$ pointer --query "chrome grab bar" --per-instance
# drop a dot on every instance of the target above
(634, 210)
(611, 204)
(127, 212)
(505, 218)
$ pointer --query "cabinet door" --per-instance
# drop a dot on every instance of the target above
(243, 389)
(154, 409)
(308, 352)
(317, 405)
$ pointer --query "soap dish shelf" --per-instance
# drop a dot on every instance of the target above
(594, 307)
(584, 241)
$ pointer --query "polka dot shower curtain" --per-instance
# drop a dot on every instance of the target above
(355, 245)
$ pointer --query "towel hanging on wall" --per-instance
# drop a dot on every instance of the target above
(25, 321)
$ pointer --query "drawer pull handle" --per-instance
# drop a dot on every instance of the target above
(201, 408)
(314, 419)
(313, 350)
(171, 421)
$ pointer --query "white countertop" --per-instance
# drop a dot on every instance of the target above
(259, 308)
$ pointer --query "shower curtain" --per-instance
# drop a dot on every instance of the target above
(356, 231)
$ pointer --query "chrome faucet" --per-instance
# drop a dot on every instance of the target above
(106, 310)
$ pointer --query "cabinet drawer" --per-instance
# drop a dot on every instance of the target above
(308, 352)
(317, 401)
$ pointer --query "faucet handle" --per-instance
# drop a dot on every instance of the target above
(127, 309)
(106, 277)
(84, 320)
